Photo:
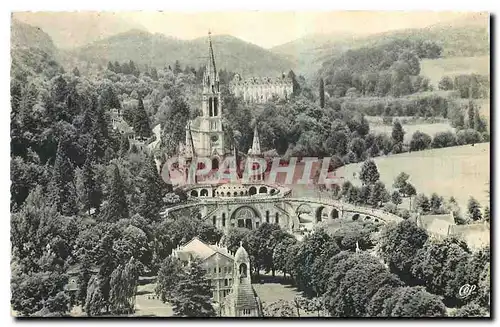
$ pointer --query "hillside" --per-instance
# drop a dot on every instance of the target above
(32, 50)
(25, 36)
(464, 38)
(158, 50)
(74, 29)
(460, 171)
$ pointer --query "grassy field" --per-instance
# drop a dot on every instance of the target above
(435, 69)
(460, 172)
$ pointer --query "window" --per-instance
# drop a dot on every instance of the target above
(246, 312)
(214, 220)
(215, 270)
(223, 220)
(256, 224)
(276, 218)
(220, 270)
(226, 282)
(267, 216)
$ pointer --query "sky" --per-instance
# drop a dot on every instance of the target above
(264, 28)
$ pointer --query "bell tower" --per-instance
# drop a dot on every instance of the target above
(212, 105)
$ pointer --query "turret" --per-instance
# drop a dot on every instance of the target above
(242, 266)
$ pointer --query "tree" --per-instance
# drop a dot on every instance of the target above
(410, 302)
(152, 191)
(420, 141)
(92, 189)
(471, 310)
(116, 207)
(397, 132)
(443, 140)
(62, 187)
(369, 173)
(124, 146)
(400, 182)
(321, 93)
(436, 203)
(281, 259)
(378, 194)
(168, 277)
(399, 244)
(354, 280)
(31, 292)
(446, 83)
(474, 209)
(410, 191)
(441, 267)
(487, 214)
(396, 198)
(280, 308)
(193, 294)
(141, 121)
(94, 303)
(422, 203)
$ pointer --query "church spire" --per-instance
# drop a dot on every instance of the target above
(211, 78)
(255, 150)
(190, 150)
(211, 68)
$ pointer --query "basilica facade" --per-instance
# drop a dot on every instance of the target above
(261, 89)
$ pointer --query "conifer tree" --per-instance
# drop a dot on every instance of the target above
(124, 146)
(474, 209)
(153, 190)
(117, 203)
(321, 93)
(100, 131)
(92, 188)
(62, 187)
(397, 132)
(141, 121)
(193, 294)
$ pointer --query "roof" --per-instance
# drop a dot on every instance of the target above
(198, 248)
(436, 224)
(241, 254)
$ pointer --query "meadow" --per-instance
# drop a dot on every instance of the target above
(461, 171)
(435, 69)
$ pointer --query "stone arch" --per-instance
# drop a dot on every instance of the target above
(252, 190)
(368, 217)
(242, 193)
(319, 214)
(194, 193)
(235, 193)
(245, 216)
(215, 163)
(243, 270)
(272, 191)
(334, 214)
(228, 193)
(355, 216)
(263, 189)
(204, 192)
(304, 208)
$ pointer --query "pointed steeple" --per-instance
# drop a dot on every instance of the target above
(189, 150)
(211, 78)
(255, 150)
